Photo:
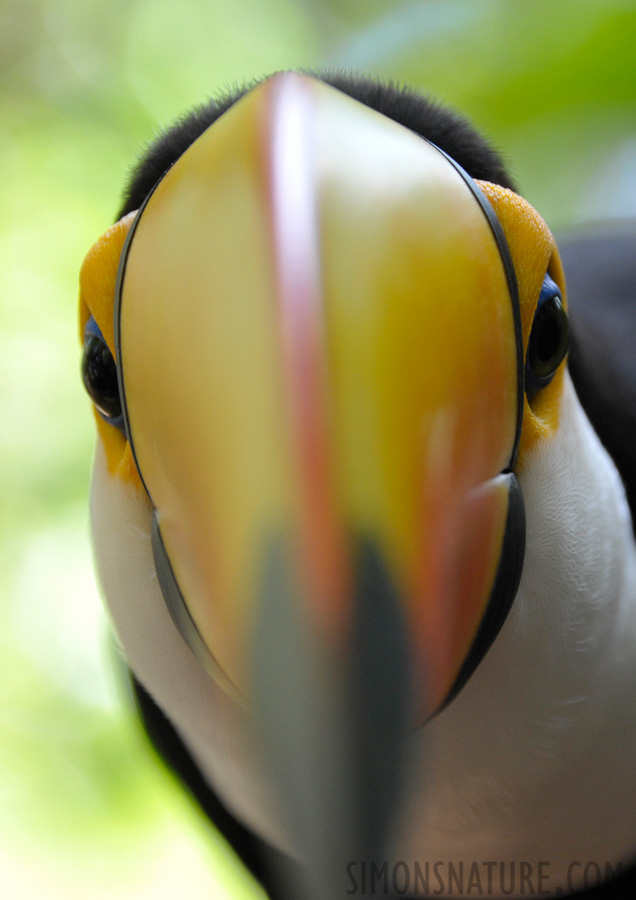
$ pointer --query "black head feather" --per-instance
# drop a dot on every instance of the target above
(446, 129)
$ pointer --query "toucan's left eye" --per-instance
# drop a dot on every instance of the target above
(548, 342)
(99, 374)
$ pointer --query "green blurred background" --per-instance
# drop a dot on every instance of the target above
(84, 810)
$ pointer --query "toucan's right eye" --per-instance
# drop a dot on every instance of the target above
(548, 342)
(99, 374)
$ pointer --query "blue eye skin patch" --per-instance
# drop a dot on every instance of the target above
(549, 289)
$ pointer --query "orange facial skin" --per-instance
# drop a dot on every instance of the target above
(534, 252)
(98, 277)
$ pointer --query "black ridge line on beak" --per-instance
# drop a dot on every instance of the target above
(119, 362)
(173, 597)
(504, 588)
(513, 289)
(177, 607)
(513, 549)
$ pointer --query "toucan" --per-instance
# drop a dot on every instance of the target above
(361, 497)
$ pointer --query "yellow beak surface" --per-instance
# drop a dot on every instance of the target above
(317, 347)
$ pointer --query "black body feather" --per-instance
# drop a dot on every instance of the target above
(446, 129)
(600, 271)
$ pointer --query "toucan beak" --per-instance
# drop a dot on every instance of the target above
(318, 352)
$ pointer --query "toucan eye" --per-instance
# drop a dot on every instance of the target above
(548, 342)
(99, 374)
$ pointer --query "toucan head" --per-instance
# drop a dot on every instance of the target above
(322, 340)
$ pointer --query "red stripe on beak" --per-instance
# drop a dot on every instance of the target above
(324, 566)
